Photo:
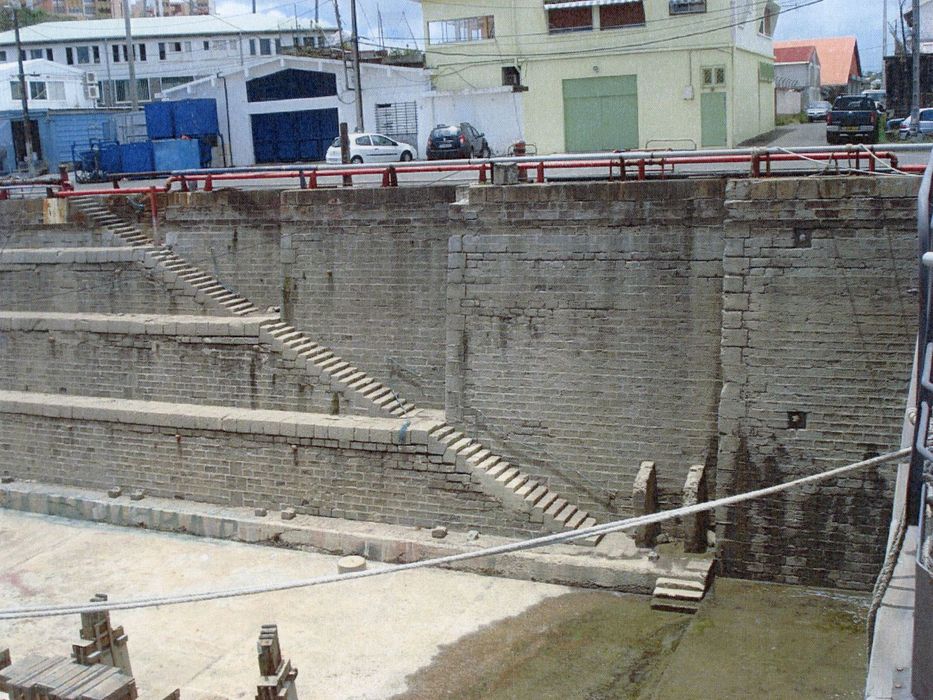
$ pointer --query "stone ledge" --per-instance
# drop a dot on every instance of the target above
(362, 429)
(63, 256)
(612, 566)
(133, 324)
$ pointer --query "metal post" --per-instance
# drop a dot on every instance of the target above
(915, 100)
(884, 51)
(27, 130)
(130, 55)
(345, 152)
(356, 69)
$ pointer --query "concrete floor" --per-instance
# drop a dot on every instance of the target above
(355, 640)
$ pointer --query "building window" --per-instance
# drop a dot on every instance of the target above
(768, 19)
(95, 50)
(449, 31)
(122, 90)
(69, 56)
(142, 52)
(291, 84)
(714, 76)
(2, 56)
(175, 81)
(206, 45)
(765, 72)
(83, 54)
(48, 55)
(56, 90)
(626, 14)
(37, 90)
(116, 53)
(511, 76)
(569, 19)
(36, 53)
(686, 7)
(161, 50)
(252, 47)
(265, 47)
(278, 46)
(16, 90)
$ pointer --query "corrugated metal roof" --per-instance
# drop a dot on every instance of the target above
(153, 27)
(561, 4)
(839, 59)
(38, 66)
(793, 54)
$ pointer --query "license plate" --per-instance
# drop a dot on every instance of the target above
(445, 145)
(850, 128)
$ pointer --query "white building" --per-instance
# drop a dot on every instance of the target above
(49, 86)
(288, 109)
(168, 51)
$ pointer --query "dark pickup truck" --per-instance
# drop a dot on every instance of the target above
(853, 117)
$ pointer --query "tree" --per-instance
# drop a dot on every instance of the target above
(27, 16)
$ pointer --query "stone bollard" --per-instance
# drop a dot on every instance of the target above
(696, 525)
(645, 502)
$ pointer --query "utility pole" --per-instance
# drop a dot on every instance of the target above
(254, 7)
(27, 129)
(915, 101)
(884, 52)
(382, 35)
(130, 56)
(356, 68)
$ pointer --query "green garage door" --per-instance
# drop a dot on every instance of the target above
(601, 114)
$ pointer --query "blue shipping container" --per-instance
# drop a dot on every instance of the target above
(160, 120)
(110, 158)
(137, 157)
(176, 154)
(195, 117)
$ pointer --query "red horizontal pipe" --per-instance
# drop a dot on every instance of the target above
(121, 190)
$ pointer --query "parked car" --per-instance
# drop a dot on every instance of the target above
(372, 148)
(925, 124)
(853, 117)
(818, 111)
(460, 141)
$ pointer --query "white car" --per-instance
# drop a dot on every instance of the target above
(372, 148)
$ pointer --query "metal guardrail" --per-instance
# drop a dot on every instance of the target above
(918, 492)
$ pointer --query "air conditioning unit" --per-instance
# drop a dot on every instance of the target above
(92, 92)
(90, 78)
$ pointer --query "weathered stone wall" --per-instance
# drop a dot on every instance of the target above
(261, 464)
(104, 287)
(583, 331)
(363, 271)
(819, 323)
(234, 236)
(226, 370)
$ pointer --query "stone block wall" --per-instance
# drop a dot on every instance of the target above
(102, 287)
(190, 367)
(584, 331)
(363, 271)
(234, 236)
(819, 326)
(325, 471)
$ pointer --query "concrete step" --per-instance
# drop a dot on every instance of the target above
(679, 606)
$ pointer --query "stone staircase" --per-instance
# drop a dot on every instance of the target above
(684, 592)
(448, 446)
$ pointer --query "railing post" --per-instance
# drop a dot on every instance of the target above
(312, 180)
(184, 183)
(756, 165)
(541, 172)
(209, 183)
(154, 208)
(641, 168)
(482, 174)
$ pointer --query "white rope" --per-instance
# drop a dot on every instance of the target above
(825, 164)
(616, 526)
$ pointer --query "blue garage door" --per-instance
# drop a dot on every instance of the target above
(287, 137)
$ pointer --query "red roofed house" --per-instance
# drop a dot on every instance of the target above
(796, 78)
(840, 66)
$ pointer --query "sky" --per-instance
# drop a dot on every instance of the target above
(401, 19)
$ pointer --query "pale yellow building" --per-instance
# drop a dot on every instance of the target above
(593, 75)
